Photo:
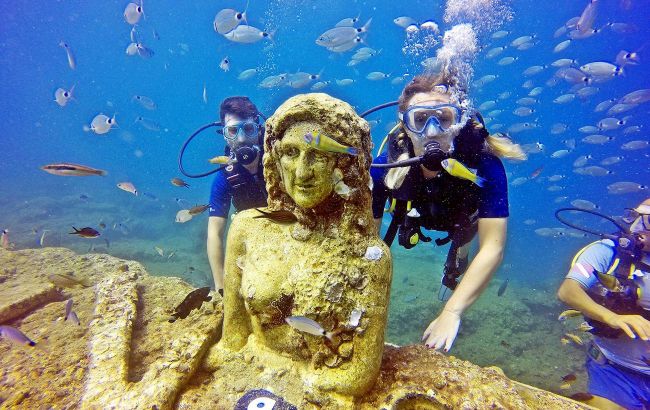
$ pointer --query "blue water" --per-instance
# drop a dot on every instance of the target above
(36, 131)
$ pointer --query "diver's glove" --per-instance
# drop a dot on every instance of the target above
(433, 155)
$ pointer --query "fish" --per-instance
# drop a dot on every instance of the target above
(536, 172)
(377, 75)
(227, 20)
(71, 60)
(133, 13)
(601, 69)
(101, 124)
(562, 46)
(301, 79)
(503, 287)
(225, 64)
(14, 335)
(324, 143)
(404, 21)
(147, 123)
(69, 169)
(612, 160)
(636, 97)
(247, 34)
(179, 182)
(183, 216)
(159, 251)
(143, 51)
(571, 377)
(574, 338)
(347, 22)
(63, 96)
(625, 187)
(593, 170)
(584, 327)
(582, 160)
(63, 280)
(307, 325)
(338, 36)
(584, 204)
(132, 49)
(280, 216)
(561, 153)
(493, 52)
(42, 240)
(459, 170)
(273, 81)
(500, 34)
(192, 301)
(597, 139)
(636, 144)
(344, 82)
(128, 187)
(564, 341)
(86, 232)
(73, 318)
(145, 102)
(246, 74)
(220, 159)
(4, 239)
(205, 94)
(340, 187)
(588, 16)
(581, 396)
(568, 313)
(199, 209)
(507, 60)
(533, 70)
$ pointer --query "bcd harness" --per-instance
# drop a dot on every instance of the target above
(461, 226)
(248, 190)
(616, 290)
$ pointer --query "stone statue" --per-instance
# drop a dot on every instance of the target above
(307, 280)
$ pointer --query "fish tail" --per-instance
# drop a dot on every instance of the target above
(479, 181)
(101, 173)
(329, 335)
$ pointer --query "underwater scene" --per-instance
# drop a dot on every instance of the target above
(112, 91)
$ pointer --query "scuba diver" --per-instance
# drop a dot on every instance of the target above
(454, 182)
(241, 181)
(609, 283)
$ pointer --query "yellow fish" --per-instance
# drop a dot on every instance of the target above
(221, 159)
(575, 339)
(609, 281)
(325, 143)
(457, 169)
(567, 314)
(584, 327)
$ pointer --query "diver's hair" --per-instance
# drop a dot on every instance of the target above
(239, 106)
(502, 146)
(339, 121)
(426, 83)
(395, 176)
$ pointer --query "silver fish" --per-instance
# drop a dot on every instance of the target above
(145, 101)
(307, 325)
(227, 20)
(340, 35)
(148, 124)
(586, 20)
(16, 336)
(634, 145)
(597, 139)
(582, 160)
(625, 187)
(247, 34)
(71, 60)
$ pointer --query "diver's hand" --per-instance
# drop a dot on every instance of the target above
(632, 325)
(442, 332)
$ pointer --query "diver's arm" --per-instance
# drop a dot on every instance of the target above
(572, 293)
(216, 229)
(442, 332)
(492, 241)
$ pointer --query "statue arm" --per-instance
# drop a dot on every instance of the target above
(236, 322)
(358, 375)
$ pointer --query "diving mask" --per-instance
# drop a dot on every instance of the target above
(249, 128)
(430, 120)
(639, 218)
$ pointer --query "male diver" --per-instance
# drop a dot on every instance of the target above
(454, 182)
(241, 181)
(609, 282)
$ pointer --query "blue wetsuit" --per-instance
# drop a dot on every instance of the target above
(624, 376)
(238, 186)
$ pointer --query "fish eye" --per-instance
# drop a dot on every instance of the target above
(239, 16)
(65, 94)
(139, 9)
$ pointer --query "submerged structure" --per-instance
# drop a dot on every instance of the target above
(306, 303)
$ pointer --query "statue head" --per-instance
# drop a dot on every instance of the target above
(305, 178)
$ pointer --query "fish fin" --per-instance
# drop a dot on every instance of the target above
(76, 231)
(264, 213)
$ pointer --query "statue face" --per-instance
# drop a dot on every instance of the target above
(306, 171)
